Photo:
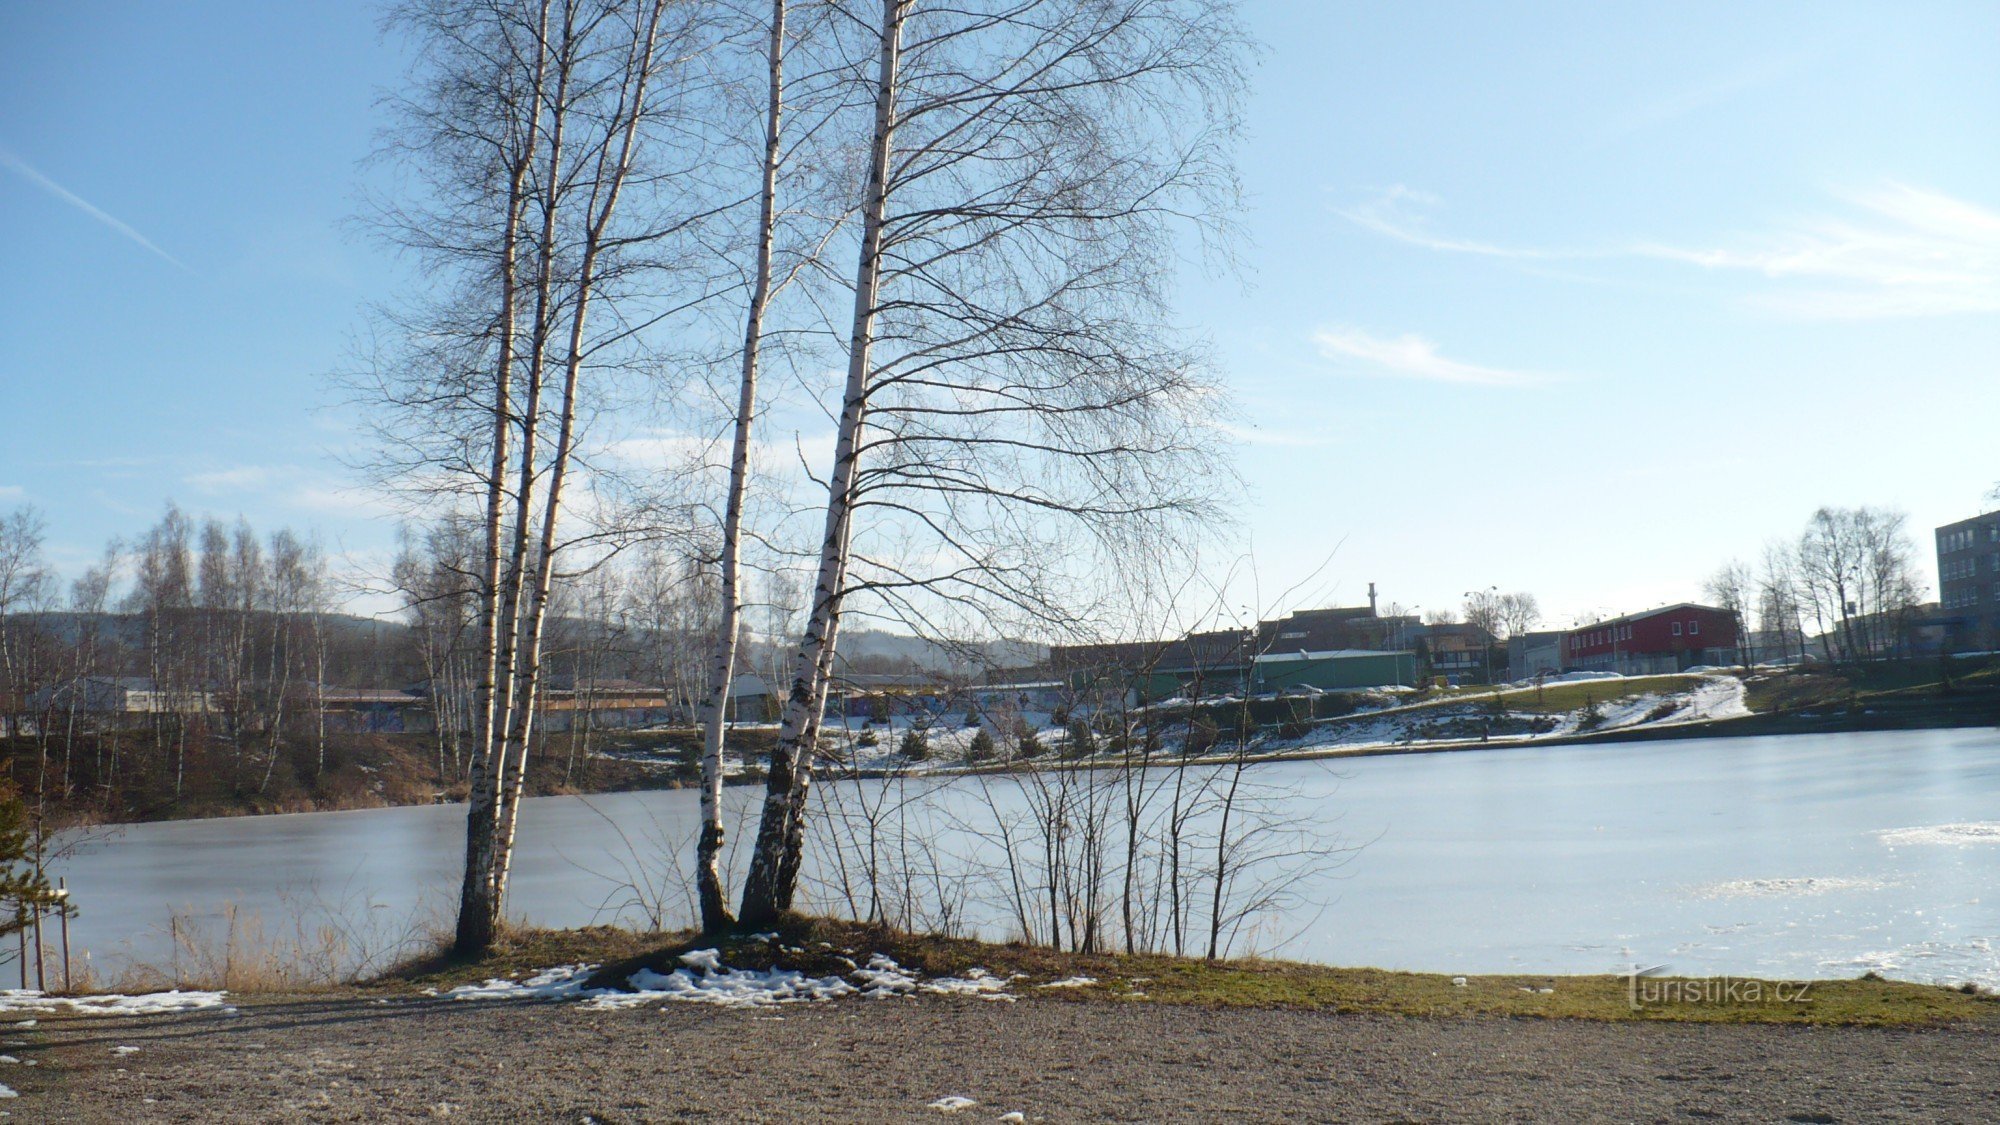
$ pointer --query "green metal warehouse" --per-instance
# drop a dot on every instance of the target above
(1336, 670)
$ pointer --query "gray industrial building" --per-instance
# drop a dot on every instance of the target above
(1968, 560)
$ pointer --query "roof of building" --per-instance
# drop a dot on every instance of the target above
(608, 685)
(1983, 517)
(1330, 654)
(334, 694)
(1220, 648)
(1665, 609)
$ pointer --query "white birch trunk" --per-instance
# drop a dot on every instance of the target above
(477, 912)
(715, 709)
(767, 891)
(605, 195)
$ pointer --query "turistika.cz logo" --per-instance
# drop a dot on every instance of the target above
(1650, 987)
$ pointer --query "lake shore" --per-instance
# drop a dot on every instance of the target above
(1050, 1061)
(397, 771)
(390, 1051)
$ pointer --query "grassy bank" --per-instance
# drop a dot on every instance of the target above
(1877, 683)
(826, 948)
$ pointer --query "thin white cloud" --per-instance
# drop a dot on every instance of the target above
(1394, 213)
(1906, 251)
(12, 492)
(1412, 357)
(29, 173)
(1897, 251)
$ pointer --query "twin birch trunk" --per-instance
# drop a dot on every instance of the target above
(775, 860)
(514, 605)
(715, 708)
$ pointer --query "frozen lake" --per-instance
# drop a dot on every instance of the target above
(1797, 856)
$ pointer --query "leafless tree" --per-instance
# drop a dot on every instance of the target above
(1778, 606)
(24, 582)
(715, 914)
(1015, 399)
(1731, 588)
(532, 124)
(1856, 570)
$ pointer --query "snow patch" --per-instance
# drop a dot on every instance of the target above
(1070, 982)
(952, 1103)
(725, 987)
(707, 960)
(1943, 835)
(1771, 888)
(106, 1004)
(975, 982)
(563, 982)
(883, 978)
(706, 980)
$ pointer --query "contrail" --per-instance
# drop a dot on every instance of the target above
(67, 196)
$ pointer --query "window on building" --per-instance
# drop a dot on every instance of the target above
(1677, 628)
(1694, 628)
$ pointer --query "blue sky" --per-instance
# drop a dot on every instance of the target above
(1578, 299)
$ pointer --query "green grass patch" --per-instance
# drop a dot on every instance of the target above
(1825, 687)
(1574, 695)
(822, 947)
(1558, 698)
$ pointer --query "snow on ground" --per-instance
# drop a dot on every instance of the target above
(724, 987)
(560, 983)
(107, 1004)
(706, 980)
(1070, 982)
(1581, 676)
(1944, 835)
(1788, 887)
(1714, 697)
(952, 1103)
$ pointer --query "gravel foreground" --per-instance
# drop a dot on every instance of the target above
(1046, 1059)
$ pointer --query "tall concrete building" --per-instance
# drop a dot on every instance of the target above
(1968, 559)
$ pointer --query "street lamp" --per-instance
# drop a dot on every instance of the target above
(1402, 639)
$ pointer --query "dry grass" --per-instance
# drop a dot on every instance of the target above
(826, 947)
(315, 946)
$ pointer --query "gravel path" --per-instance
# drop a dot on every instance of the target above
(1050, 1060)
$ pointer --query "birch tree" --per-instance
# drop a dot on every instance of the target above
(709, 892)
(1017, 404)
(531, 125)
(1730, 589)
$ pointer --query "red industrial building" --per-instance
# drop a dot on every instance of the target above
(1656, 641)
